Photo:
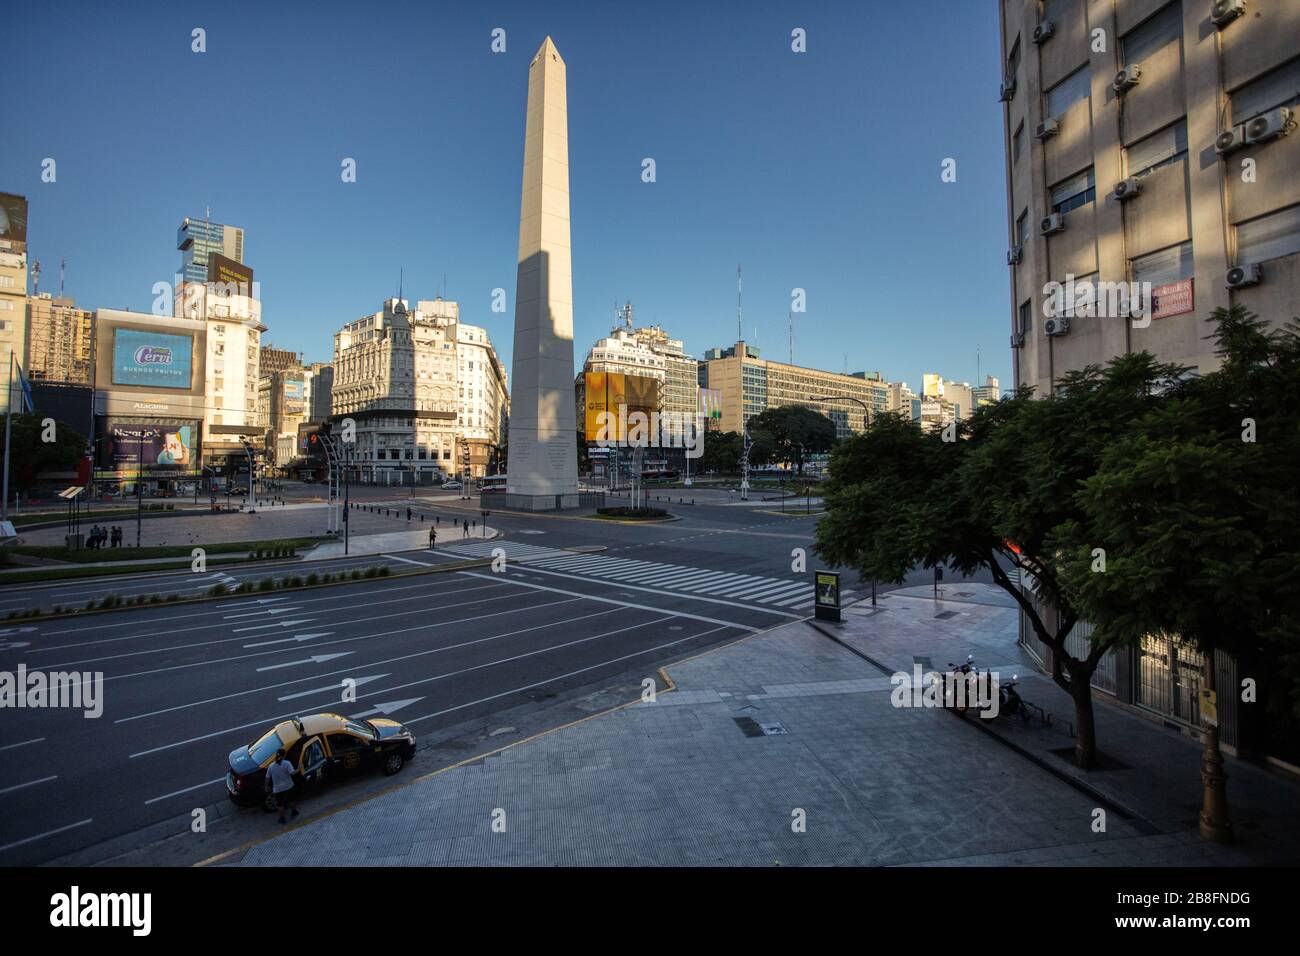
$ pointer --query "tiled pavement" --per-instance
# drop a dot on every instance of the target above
(691, 779)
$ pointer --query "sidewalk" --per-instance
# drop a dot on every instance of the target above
(791, 725)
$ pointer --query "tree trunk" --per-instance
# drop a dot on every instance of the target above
(1214, 822)
(1085, 743)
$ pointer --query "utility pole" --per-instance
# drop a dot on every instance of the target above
(9, 404)
(139, 483)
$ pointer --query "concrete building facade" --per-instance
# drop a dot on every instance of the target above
(60, 341)
(13, 288)
(749, 384)
(1148, 141)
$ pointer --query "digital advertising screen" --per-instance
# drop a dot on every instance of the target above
(152, 359)
(169, 445)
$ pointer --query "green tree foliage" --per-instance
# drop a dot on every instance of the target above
(722, 451)
(790, 433)
(30, 454)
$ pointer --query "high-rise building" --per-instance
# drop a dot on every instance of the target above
(320, 389)
(484, 400)
(1163, 156)
(198, 238)
(13, 289)
(398, 377)
(1154, 143)
(988, 392)
(272, 359)
(749, 384)
(60, 341)
(232, 368)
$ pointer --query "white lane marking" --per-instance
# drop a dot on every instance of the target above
(332, 688)
(314, 659)
(34, 740)
(47, 833)
(289, 640)
(533, 569)
(581, 670)
(263, 611)
(270, 721)
(398, 557)
(220, 660)
(177, 793)
(387, 708)
(259, 627)
(391, 660)
(30, 783)
(423, 594)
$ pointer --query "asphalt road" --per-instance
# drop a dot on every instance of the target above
(183, 685)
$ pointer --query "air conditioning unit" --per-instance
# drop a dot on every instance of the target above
(1017, 340)
(1223, 12)
(1047, 129)
(1268, 125)
(1043, 32)
(1057, 325)
(1008, 87)
(1127, 188)
(1126, 78)
(1013, 255)
(1248, 273)
(1230, 140)
(1050, 224)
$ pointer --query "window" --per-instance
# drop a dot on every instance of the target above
(1013, 61)
(1054, 10)
(1074, 192)
(1166, 266)
(1164, 28)
(1158, 149)
(6, 305)
(1018, 142)
(1022, 228)
(1269, 237)
(6, 281)
(1026, 317)
(1280, 87)
(1065, 94)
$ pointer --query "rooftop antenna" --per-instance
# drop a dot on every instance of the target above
(62, 265)
(401, 278)
(740, 331)
(36, 276)
(977, 363)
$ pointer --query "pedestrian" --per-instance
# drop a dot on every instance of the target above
(433, 537)
(117, 536)
(279, 780)
(466, 534)
(92, 539)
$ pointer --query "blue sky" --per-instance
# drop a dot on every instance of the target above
(818, 170)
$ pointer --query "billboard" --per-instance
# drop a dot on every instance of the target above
(151, 359)
(295, 396)
(13, 222)
(231, 277)
(170, 445)
(613, 394)
(710, 407)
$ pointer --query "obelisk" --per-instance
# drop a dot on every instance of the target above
(542, 467)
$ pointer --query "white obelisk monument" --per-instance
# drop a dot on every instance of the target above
(542, 467)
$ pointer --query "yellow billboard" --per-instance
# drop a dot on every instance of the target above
(611, 397)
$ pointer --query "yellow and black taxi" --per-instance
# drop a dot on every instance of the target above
(318, 746)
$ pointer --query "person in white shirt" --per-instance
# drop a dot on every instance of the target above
(279, 780)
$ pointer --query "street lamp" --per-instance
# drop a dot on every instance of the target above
(866, 418)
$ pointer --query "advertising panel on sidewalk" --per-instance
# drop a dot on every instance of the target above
(827, 595)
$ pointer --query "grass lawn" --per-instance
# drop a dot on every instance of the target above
(87, 556)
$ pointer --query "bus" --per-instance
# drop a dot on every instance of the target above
(492, 484)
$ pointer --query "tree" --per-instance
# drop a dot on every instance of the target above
(999, 494)
(30, 453)
(1194, 513)
(791, 433)
(722, 451)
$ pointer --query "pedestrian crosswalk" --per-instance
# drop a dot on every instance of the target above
(787, 593)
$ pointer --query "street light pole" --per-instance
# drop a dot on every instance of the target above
(139, 480)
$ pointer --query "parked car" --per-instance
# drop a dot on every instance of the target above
(452, 485)
(320, 746)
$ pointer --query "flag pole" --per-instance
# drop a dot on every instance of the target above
(4, 506)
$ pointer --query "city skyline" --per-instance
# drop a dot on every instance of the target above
(408, 226)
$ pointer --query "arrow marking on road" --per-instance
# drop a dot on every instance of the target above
(358, 681)
(389, 707)
(269, 610)
(289, 640)
(314, 659)
(258, 627)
